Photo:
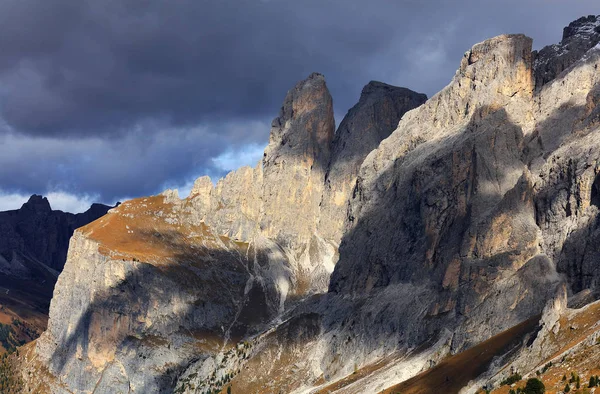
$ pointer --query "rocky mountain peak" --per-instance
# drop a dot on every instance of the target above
(426, 218)
(375, 92)
(578, 38)
(381, 88)
(38, 231)
(296, 159)
(305, 125)
(37, 203)
(586, 27)
(504, 60)
(370, 121)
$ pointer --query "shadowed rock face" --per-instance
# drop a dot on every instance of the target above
(470, 217)
(150, 293)
(178, 281)
(460, 225)
(33, 249)
(579, 37)
(41, 233)
(297, 196)
(370, 121)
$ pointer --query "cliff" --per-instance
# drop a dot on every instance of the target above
(352, 261)
(181, 280)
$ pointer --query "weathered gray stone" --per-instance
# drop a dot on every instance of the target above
(478, 212)
(579, 37)
(369, 122)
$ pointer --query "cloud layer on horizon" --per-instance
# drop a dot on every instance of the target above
(112, 99)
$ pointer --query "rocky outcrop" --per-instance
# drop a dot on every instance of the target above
(33, 248)
(151, 292)
(295, 162)
(425, 242)
(477, 213)
(579, 37)
(451, 184)
(161, 283)
(41, 233)
(369, 122)
(297, 196)
(468, 219)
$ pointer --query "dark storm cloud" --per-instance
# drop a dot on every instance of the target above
(119, 98)
(140, 163)
(83, 68)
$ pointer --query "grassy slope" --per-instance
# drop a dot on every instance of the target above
(456, 371)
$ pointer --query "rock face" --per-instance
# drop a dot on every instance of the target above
(161, 283)
(478, 212)
(579, 37)
(370, 121)
(297, 195)
(43, 234)
(467, 220)
(151, 291)
(295, 162)
(451, 184)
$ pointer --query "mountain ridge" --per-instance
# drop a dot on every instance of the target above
(474, 214)
(33, 249)
(18, 227)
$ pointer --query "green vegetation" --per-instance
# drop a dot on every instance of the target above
(534, 386)
(8, 338)
(546, 368)
(573, 378)
(514, 378)
(9, 382)
(594, 381)
(567, 388)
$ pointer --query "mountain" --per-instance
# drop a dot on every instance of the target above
(435, 245)
(41, 233)
(33, 249)
(180, 280)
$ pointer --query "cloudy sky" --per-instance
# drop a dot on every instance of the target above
(105, 100)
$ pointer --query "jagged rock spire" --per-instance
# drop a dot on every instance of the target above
(295, 161)
(579, 37)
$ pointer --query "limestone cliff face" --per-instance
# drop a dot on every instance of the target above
(162, 282)
(451, 184)
(33, 249)
(143, 290)
(474, 215)
(370, 121)
(294, 167)
(478, 212)
(295, 162)
(444, 177)
(297, 195)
